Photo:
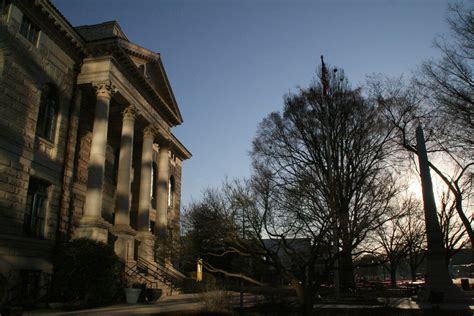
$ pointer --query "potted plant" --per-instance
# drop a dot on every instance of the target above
(132, 292)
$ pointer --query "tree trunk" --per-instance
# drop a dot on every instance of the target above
(346, 269)
(413, 271)
(412, 263)
(346, 272)
(393, 274)
(458, 200)
(308, 289)
(448, 257)
(413, 274)
(308, 301)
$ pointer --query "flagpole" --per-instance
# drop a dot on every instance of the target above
(325, 88)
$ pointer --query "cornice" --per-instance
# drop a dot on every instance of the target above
(179, 149)
(138, 51)
(60, 23)
(168, 87)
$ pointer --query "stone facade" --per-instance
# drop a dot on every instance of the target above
(86, 148)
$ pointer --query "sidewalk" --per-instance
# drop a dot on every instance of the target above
(193, 304)
(177, 303)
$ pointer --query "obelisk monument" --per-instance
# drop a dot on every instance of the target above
(438, 284)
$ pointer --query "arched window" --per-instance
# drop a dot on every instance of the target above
(171, 188)
(48, 111)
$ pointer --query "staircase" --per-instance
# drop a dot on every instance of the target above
(168, 278)
(132, 273)
(155, 275)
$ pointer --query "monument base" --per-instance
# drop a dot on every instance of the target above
(446, 294)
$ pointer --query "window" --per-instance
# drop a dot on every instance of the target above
(36, 204)
(29, 30)
(171, 192)
(47, 113)
(4, 7)
(152, 227)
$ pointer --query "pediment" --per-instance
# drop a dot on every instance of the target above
(108, 37)
(151, 68)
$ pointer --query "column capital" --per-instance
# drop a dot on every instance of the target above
(164, 142)
(150, 131)
(130, 112)
(104, 89)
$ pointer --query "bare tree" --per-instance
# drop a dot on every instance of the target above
(209, 227)
(405, 110)
(401, 237)
(454, 233)
(326, 153)
(269, 235)
(391, 244)
(449, 81)
(293, 238)
(413, 234)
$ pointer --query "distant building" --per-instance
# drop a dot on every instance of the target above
(86, 148)
(461, 264)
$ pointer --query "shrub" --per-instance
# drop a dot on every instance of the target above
(3, 289)
(215, 299)
(87, 272)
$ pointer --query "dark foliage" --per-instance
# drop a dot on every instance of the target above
(87, 272)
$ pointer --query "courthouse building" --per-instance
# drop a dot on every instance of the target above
(86, 143)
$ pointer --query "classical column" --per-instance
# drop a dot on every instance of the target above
(145, 180)
(92, 224)
(122, 200)
(146, 248)
(124, 244)
(162, 191)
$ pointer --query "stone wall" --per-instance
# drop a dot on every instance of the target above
(25, 68)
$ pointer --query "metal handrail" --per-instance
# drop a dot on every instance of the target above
(133, 273)
(160, 272)
(163, 277)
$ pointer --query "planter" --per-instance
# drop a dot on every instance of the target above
(132, 295)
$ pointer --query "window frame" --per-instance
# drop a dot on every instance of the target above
(29, 30)
(47, 113)
(34, 221)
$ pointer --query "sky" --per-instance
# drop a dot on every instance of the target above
(231, 62)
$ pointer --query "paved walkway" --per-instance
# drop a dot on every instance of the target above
(176, 303)
(182, 303)
(191, 303)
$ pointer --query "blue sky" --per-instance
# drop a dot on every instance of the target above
(230, 62)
